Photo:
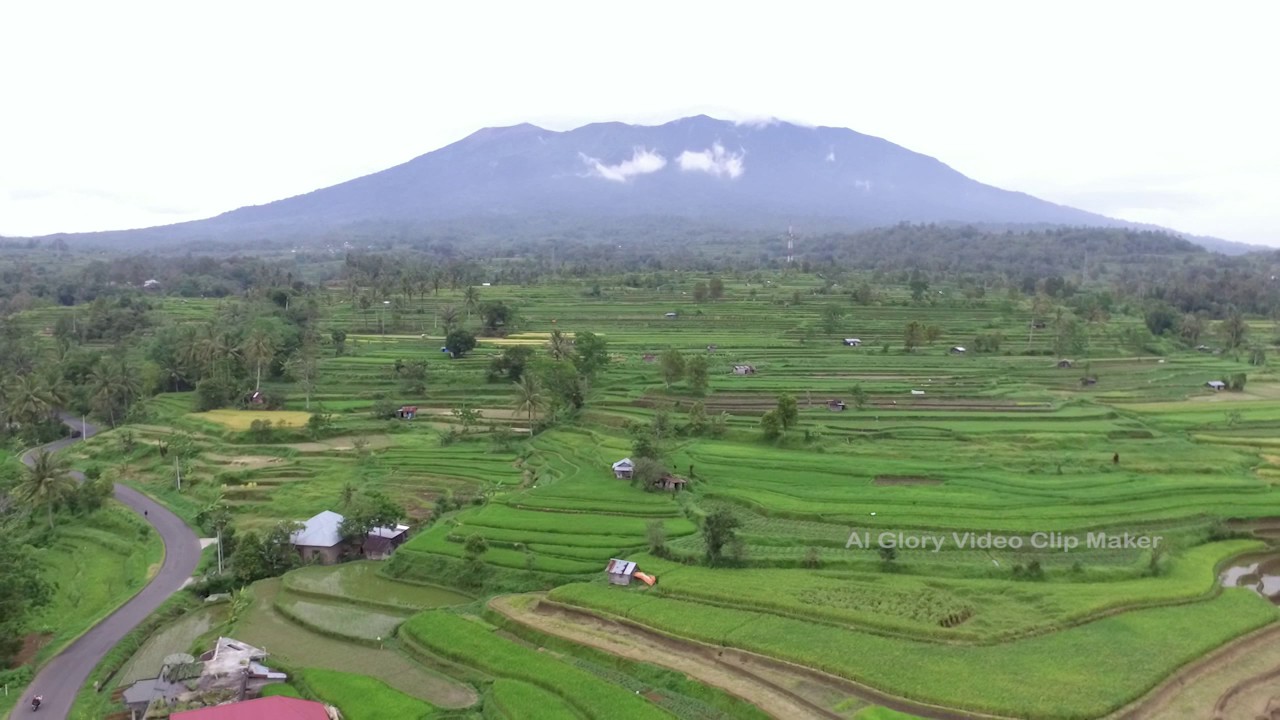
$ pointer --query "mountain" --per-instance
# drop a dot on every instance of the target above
(718, 173)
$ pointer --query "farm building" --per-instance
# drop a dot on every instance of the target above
(835, 405)
(649, 357)
(1216, 385)
(670, 482)
(711, 348)
(152, 284)
(231, 668)
(407, 412)
(852, 342)
(623, 469)
(917, 392)
(1064, 364)
(383, 541)
(255, 398)
(320, 539)
(957, 350)
(1037, 325)
(671, 316)
(1204, 348)
(1088, 381)
(620, 571)
(744, 370)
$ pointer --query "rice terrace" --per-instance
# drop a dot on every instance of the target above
(603, 517)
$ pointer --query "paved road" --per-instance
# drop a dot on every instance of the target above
(62, 677)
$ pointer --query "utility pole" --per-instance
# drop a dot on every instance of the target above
(177, 469)
(83, 427)
(219, 548)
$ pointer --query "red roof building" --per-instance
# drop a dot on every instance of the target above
(267, 708)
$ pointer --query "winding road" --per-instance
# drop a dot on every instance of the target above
(61, 678)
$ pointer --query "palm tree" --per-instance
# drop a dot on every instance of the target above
(559, 346)
(28, 402)
(470, 299)
(46, 483)
(258, 349)
(528, 397)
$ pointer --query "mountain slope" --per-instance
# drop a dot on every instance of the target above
(698, 168)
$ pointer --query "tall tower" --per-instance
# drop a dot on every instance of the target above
(791, 245)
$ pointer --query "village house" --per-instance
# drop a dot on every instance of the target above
(1064, 364)
(1216, 385)
(852, 342)
(670, 482)
(835, 405)
(957, 350)
(231, 671)
(744, 370)
(383, 541)
(623, 469)
(320, 540)
(407, 412)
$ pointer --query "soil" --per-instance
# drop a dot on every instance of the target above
(345, 442)
(31, 645)
(781, 689)
(905, 480)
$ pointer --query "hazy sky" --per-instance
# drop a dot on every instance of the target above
(126, 114)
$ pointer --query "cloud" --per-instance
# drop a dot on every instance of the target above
(714, 161)
(642, 162)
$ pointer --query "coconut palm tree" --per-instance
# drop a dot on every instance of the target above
(529, 398)
(28, 401)
(46, 483)
(470, 299)
(258, 348)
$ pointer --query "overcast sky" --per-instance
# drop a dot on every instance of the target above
(127, 114)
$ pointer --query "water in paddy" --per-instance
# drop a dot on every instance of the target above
(1258, 573)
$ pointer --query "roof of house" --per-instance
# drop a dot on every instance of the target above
(623, 463)
(389, 532)
(320, 530)
(620, 567)
(268, 708)
(958, 348)
(1216, 383)
(140, 692)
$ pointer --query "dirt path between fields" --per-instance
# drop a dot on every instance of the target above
(780, 689)
(1159, 698)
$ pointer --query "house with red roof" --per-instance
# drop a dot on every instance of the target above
(267, 708)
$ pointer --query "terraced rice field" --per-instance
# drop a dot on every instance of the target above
(1005, 443)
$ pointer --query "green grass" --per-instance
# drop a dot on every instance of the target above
(515, 700)
(95, 565)
(361, 697)
(472, 643)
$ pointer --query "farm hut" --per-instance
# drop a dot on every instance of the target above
(671, 316)
(383, 541)
(649, 357)
(744, 370)
(255, 398)
(1064, 364)
(620, 572)
(1204, 348)
(1088, 381)
(917, 392)
(835, 405)
(1216, 385)
(1037, 325)
(712, 348)
(852, 342)
(152, 284)
(957, 350)
(407, 412)
(623, 468)
(670, 482)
